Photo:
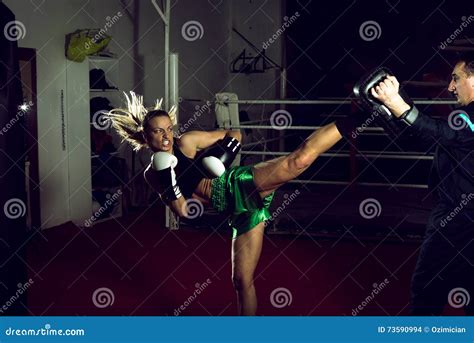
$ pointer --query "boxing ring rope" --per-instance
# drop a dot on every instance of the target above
(263, 141)
(366, 131)
(332, 101)
(344, 154)
(301, 127)
(347, 101)
(365, 184)
(251, 122)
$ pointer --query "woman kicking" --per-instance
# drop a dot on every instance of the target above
(179, 172)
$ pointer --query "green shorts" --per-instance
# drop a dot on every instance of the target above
(234, 192)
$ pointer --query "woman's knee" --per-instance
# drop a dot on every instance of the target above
(299, 161)
(242, 282)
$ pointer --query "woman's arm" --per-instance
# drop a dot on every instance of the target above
(204, 139)
(178, 206)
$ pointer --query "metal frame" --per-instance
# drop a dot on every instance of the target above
(171, 86)
(165, 16)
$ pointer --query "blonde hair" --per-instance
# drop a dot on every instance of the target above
(130, 122)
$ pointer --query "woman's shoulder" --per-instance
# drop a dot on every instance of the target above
(186, 145)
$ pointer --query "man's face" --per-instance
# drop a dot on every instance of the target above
(159, 135)
(462, 85)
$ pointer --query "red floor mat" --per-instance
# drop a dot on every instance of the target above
(136, 267)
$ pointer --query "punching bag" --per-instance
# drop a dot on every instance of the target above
(13, 273)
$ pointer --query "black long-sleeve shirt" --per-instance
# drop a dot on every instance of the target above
(453, 166)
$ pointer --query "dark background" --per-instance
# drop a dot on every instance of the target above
(336, 55)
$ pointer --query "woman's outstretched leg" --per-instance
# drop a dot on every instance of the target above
(270, 175)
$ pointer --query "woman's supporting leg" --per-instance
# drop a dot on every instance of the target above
(246, 249)
(270, 175)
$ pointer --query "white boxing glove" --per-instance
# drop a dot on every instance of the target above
(162, 160)
(219, 157)
(164, 163)
(213, 166)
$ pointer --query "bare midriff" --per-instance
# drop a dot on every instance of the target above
(203, 190)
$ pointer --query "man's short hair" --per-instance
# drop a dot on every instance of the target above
(467, 58)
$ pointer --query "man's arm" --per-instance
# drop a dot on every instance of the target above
(425, 126)
(440, 130)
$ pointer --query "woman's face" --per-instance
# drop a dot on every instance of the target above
(159, 134)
